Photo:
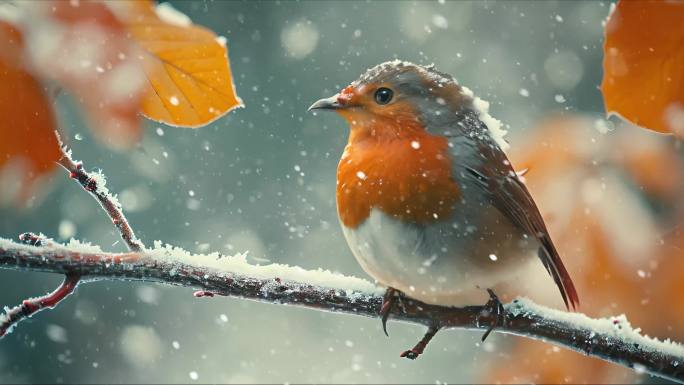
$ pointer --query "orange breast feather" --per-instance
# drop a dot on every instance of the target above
(407, 178)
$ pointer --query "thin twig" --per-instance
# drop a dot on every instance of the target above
(610, 339)
(93, 183)
(32, 306)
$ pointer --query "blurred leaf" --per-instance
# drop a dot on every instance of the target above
(84, 49)
(643, 79)
(121, 58)
(116, 59)
(614, 196)
(27, 127)
(189, 79)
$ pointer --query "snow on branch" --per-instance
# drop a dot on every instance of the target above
(610, 339)
(94, 183)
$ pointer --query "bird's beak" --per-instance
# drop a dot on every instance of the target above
(330, 103)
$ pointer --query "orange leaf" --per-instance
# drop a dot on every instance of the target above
(643, 64)
(190, 82)
(615, 198)
(27, 127)
(85, 49)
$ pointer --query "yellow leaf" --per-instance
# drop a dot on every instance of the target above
(187, 67)
(643, 64)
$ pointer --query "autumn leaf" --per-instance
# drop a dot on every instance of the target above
(28, 145)
(117, 60)
(643, 64)
(189, 79)
(83, 48)
(611, 200)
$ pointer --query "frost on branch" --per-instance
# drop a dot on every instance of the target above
(11, 316)
(609, 339)
(617, 327)
(95, 184)
(238, 265)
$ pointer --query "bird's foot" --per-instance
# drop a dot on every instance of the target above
(493, 307)
(417, 350)
(388, 302)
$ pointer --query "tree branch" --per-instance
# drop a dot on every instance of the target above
(31, 306)
(611, 339)
(94, 183)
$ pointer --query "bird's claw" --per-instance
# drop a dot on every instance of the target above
(417, 350)
(495, 307)
(411, 354)
(388, 302)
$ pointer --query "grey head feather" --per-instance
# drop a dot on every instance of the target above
(443, 106)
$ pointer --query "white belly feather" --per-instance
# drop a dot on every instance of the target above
(443, 263)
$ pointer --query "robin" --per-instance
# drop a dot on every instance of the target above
(429, 203)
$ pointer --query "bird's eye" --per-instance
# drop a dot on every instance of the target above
(383, 95)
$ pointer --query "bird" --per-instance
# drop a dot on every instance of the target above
(429, 203)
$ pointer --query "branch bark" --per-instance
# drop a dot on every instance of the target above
(29, 307)
(94, 184)
(611, 339)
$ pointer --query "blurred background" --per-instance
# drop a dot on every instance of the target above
(263, 179)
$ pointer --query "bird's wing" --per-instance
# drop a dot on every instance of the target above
(488, 168)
